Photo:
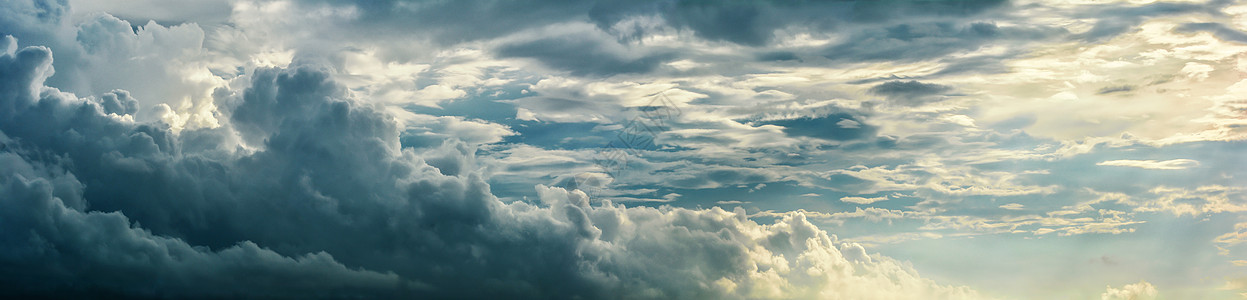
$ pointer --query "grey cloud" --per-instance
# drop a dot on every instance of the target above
(33, 12)
(835, 127)
(753, 22)
(119, 102)
(1113, 20)
(982, 64)
(936, 41)
(202, 12)
(1115, 89)
(1220, 30)
(716, 176)
(778, 56)
(909, 93)
(306, 193)
(909, 42)
(746, 23)
(585, 55)
(457, 21)
(55, 147)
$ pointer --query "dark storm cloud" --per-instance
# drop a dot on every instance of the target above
(909, 93)
(58, 152)
(326, 204)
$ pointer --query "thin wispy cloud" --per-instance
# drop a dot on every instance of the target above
(1173, 164)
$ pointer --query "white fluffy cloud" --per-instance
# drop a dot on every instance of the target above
(1135, 291)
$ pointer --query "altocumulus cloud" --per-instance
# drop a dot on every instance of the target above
(304, 192)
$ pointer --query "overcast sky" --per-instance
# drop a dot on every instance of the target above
(669, 149)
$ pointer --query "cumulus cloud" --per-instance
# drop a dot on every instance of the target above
(1173, 164)
(71, 246)
(304, 192)
(1136, 291)
(391, 147)
(163, 68)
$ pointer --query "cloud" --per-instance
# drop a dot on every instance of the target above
(70, 251)
(928, 174)
(1173, 164)
(1113, 20)
(910, 42)
(1115, 89)
(588, 52)
(909, 93)
(834, 127)
(1137, 291)
(861, 200)
(163, 68)
(176, 11)
(1194, 201)
(751, 23)
(1230, 240)
(398, 142)
(1012, 206)
(754, 23)
(305, 192)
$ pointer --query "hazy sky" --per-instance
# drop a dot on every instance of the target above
(671, 149)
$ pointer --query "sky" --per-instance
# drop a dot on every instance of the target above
(578, 149)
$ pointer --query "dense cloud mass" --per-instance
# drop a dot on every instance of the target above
(599, 149)
(306, 193)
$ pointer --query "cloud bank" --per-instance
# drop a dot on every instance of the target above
(435, 149)
(304, 192)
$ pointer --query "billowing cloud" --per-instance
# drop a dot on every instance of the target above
(304, 192)
(390, 149)
(1135, 291)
